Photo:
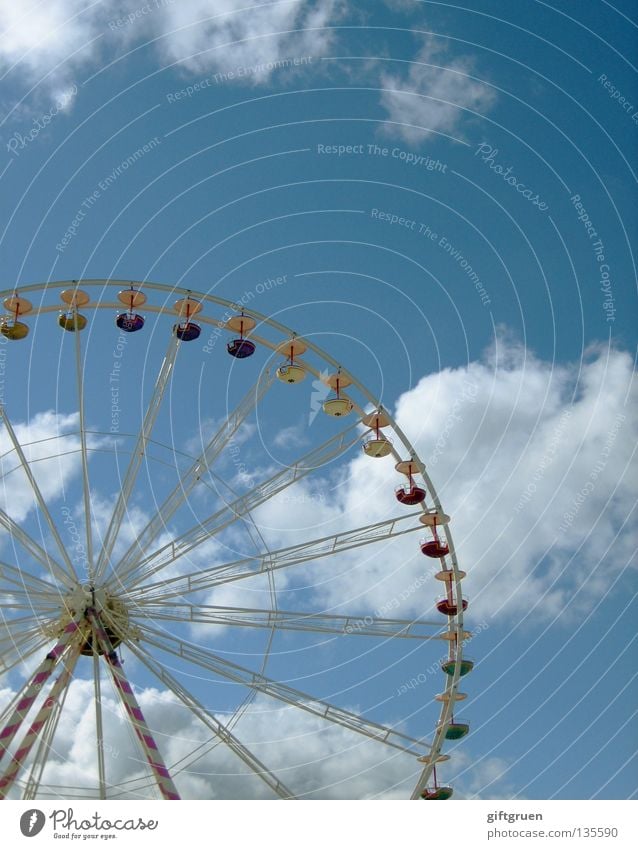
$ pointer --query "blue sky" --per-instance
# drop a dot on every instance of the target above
(445, 200)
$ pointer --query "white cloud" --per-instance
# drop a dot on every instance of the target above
(402, 5)
(532, 461)
(51, 39)
(42, 438)
(314, 758)
(294, 436)
(478, 778)
(50, 42)
(224, 35)
(434, 94)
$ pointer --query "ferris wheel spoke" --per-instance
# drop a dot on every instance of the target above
(25, 579)
(124, 690)
(56, 694)
(79, 373)
(44, 609)
(16, 655)
(192, 476)
(22, 632)
(24, 653)
(163, 557)
(290, 696)
(36, 597)
(65, 574)
(12, 598)
(35, 550)
(270, 561)
(15, 602)
(215, 725)
(135, 462)
(150, 593)
(16, 652)
(18, 622)
(288, 620)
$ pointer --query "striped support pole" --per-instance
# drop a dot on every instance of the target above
(23, 750)
(31, 691)
(148, 744)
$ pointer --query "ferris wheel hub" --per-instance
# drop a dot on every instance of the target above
(110, 608)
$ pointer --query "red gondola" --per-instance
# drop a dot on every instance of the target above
(449, 607)
(410, 494)
(434, 547)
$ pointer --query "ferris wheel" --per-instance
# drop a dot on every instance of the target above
(75, 599)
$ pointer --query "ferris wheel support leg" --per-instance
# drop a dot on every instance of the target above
(41, 719)
(33, 687)
(125, 691)
(180, 493)
(139, 451)
(44, 749)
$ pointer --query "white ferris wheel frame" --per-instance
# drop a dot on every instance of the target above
(155, 602)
